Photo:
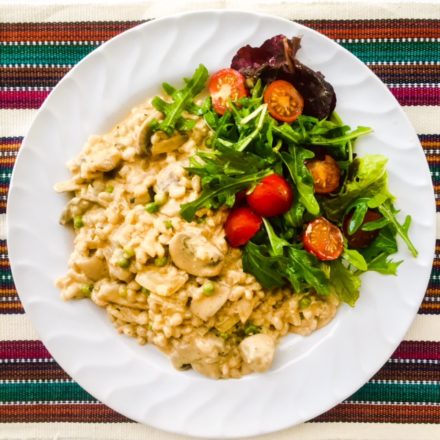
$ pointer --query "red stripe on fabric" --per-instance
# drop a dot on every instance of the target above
(417, 95)
(49, 412)
(22, 99)
(23, 350)
(384, 413)
(417, 350)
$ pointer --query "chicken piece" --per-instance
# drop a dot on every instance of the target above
(203, 354)
(162, 281)
(102, 158)
(207, 306)
(257, 352)
(167, 176)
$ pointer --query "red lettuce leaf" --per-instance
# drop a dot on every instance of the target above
(276, 59)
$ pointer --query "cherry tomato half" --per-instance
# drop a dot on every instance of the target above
(323, 239)
(326, 174)
(272, 196)
(241, 225)
(283, 101)
(225, 85)
(361, 239)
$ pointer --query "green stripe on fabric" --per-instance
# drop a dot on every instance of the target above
(395, 51)
(5, 177)
(46, 392)
(423, 51)
(44, 54)
(411, 393)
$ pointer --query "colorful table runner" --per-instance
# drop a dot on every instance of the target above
(400, 42)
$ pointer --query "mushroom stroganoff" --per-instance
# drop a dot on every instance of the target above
(212, 227)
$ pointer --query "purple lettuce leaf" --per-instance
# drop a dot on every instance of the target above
(276, 59)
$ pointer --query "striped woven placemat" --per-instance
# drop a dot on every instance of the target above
(38, 45)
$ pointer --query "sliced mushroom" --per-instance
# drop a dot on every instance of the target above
(195, 254)
(207, 306)
(161, 143)
(144, 137)
(162, 281)
(93, 267)
(257, 351)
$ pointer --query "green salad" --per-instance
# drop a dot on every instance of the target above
(305, 209)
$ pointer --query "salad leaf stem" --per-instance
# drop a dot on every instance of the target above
(388, 212)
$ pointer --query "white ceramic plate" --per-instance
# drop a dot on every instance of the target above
(309, 375)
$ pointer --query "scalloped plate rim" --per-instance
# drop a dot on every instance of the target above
(11, 200)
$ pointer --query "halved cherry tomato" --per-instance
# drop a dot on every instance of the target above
(326, 174)
(361, 239)
(283, 101)
(241, 225)
(272, 196)
(225, 85)
(323, 239)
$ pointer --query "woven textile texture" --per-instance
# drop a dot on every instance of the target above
(36, 54)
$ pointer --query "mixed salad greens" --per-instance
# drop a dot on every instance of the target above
(306, 210)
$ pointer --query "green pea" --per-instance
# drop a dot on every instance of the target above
(124, 263)
(78, 222)
(208, 288)
(109, 188)
(160, 261)
(128, 253)
(251, 329)
(86, 289)
(225, 336)
(152, 207)
(305, 302)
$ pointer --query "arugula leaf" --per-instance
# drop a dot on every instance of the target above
(388, 211)
(369, 178)
(277, 244)
(182, 99)
(384, 265)
(377, 254)
(294, 216)
(344, 283)
(355, 258)
(360, 209)
(299, 266)
(375, 224)
(307, 130)
(384, 243)
(301, 176)
(223, 173)
(360, 131)
(245, 141)
(263, 267)
(303, 271)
